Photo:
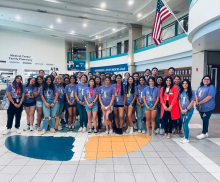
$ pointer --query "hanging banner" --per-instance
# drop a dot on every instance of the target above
(110, 69)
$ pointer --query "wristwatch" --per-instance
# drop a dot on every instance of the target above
(93, 102)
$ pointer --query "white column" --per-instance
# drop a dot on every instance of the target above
(135, 32)
(90, 47)
(199, 67)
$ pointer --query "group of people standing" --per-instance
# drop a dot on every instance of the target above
(164, 104)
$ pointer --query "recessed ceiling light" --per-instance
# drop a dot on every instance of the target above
(139, 15)
(120, 36)
(74, 46)
(59, 20)
(51, 26)
(130, 2)
(96, 36)
(113, 29)
(84, 24)
(18, 17)
(85, 46)
(103, 5)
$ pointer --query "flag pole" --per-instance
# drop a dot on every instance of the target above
(174, 16)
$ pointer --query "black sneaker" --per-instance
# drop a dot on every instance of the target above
(90, 131)
(95, 131)
(62, 121)
(69, 128)
(73, 127)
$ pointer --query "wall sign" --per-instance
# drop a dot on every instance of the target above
(76, 65)
(54, 69)
(110, 69)
(16, 57)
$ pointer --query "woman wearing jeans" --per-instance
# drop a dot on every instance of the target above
(16, 97)
(186, 104)
(49, 95)
(91, 95)
(140, 105)
(39, 102)
(81, 102)
(29, 102)
(169, 105)
(205, 103)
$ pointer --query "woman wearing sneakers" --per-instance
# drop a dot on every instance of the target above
(106, 98)
(91, 94)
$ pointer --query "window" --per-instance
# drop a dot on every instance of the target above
(186, 72)
(190, 71)
(177, 72)
(183, 72)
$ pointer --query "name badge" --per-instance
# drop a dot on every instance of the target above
(17, 100)
(82, 91)
(128, 101)
(171, 93)
(105, 95)
(117, 99)
(141, 95)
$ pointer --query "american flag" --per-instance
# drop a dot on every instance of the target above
(162, 13)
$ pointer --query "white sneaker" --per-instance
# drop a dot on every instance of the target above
(206, 135)
(43, 132)
(157, 131)
(80, 129)
(90, 131)
(182, 138)
(152, 134)
(128, 130)
(52, 130)
(59, 127)
(27, 128)
(148, 134)
(143, 131)
(131, 131)
(185, 141)
(106, 132)
(139, 131)
(201, 136)
(7, 132)
(110, 132)
(31, 128)
(135, 125)
(84, 129)
(17, 131)
(67, 125)
(161, 131)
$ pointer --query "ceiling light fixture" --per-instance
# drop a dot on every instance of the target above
(85, 46)
(59, 20)
(139, 15)
(130, 2)
(113, 29)
(96, 36)
(51, 26)
(84, 24)
(103, 5)
(18, 17)
(54, 1)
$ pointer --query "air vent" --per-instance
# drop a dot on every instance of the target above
(27, 63)
(42, 11)
(49, 64)
(176, 12)
(82, 17)
(2, 61)
(25, 31)
(120, 23)
(14, 62)
(54, 36)
(39, 63)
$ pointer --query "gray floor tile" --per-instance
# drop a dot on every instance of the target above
(177, 168)
(154, 161)
(67, 169)
(105, 161)
(161, 149)
(196, 168)
(138, 161)
(171, 160)
(181, 154)
(47, 169)
(19, 162)
(104, 168)
(124, 177)
(141, 169)
(6, 177)
(5, 161)
(84, 177)
(43, 178)
(63, 177)
(143, 177)
(148, 148)
(34, 162)
(204, 177)
(74, 162)
(159, 168)
(175, 148)
(106, 177)
(150, 154)
(165, 154)
(187, 160)
(122, 168)
(183, 177)
(135, 154)
(164, 177)
(87, 168)
(11, 169)
(87, 162)
(23, 177)
(30, 169)
(121, 161)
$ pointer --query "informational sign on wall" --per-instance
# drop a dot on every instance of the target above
(111, 69)
(16, 57)
(76, 65)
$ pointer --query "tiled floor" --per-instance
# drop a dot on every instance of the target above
(136, 158)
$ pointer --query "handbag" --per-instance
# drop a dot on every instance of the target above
(5, 102)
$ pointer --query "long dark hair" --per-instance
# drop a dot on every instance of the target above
(165, 85)
(20, 84)
(143, 78)
(162, 81)
(122, 89)
(74, 78)
(132, 86)
(64, 84)
(84, 76)
(93, 81)
(189, 89)
(29, 80)
(202, 84)
(180, 85)
(100, 81)
(36, 83)
(152, 78)
(51, 86)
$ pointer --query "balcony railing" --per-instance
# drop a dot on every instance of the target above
(169, 31)
(76, 56)
(109, 52)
